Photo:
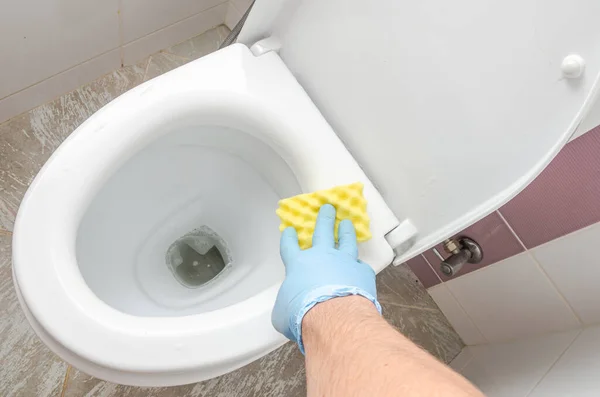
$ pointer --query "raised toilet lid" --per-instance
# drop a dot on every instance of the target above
(451, 108)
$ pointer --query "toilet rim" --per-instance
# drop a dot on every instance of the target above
(58, 296)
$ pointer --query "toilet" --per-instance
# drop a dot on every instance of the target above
(145, 251)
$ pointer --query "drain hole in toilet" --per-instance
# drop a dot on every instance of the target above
(198, 257)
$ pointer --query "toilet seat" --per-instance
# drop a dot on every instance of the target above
(232, 87)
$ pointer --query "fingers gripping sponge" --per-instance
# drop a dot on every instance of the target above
(301, 211)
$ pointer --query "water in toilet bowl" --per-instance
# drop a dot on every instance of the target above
(142, 245)
(198, 258)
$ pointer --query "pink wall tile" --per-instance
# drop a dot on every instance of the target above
(423, 271)
(495, 238)
(565, 197)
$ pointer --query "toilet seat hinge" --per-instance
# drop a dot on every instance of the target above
(263, 46)
(402, 238)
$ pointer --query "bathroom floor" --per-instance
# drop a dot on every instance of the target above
(30, 369)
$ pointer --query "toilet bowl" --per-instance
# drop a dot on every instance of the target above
(189, 156)
(145, 252)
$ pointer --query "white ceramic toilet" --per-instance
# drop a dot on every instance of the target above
(111, 238)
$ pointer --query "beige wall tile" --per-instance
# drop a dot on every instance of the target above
(136, 50)
(143, 17)
(42, 38)
(233, 16)
(58, 84)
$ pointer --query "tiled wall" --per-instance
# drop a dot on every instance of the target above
(235, 11)
(52, 47)
(541, 270)
(551, 365)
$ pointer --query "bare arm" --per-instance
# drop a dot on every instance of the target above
(327, 304)
(352, 351)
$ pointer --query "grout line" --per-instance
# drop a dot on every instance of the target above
(175, 55)
(394, 304)
(511, 230)
(65, 381)
(179, 21)
(6, 232)
(554, 363)
(232, 4)
(542, 270)
(471, 357)
(466, 314)
(121, 35)
(556, 289)
(432, 269)
(146, 68)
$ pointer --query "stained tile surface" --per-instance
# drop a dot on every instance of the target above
(28, 140)
(281, 373)
(408, 307)
(162, 62)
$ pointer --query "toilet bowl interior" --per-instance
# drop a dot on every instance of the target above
(187, 225)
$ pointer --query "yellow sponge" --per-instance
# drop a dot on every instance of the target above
(301, 211)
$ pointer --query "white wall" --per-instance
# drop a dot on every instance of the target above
(552, 365)
(50, 47)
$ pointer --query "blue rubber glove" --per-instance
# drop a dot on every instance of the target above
(319, 273)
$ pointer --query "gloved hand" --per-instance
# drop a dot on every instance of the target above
(319, 273)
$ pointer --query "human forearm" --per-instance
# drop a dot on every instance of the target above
(346, 339)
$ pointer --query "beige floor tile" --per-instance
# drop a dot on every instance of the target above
(27, 367)
(161, 63)
(201, 45)
(409, 308)
(399, 286)
(26, 141)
